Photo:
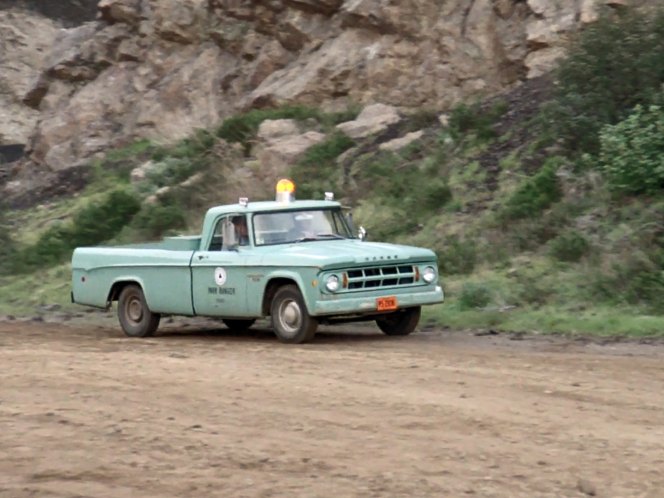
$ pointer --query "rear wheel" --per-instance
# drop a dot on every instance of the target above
(402, 322)
(135, 317)
(238, 325)
(290, 319)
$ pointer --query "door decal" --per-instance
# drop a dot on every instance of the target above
(220, 276)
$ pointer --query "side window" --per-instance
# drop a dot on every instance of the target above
(229, 233)
(217, 236)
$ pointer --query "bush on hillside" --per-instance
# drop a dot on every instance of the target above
(570, 246)
(458, 256)
(156, 219)
(96, 222)
(535, 194)
(474, 295)
(632, 152)
(465, 119)
(616, 64)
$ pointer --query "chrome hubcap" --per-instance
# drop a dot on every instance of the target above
(135, 310)
(290, 317)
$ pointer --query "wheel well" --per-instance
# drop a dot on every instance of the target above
(271, 289)
(115, 291)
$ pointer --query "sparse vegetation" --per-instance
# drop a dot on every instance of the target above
(476, 120)
(242, 129)
(317, 172)
(550, 223)
(535, 194)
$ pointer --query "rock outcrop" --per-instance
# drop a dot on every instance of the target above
(162, 68)
(24, 41)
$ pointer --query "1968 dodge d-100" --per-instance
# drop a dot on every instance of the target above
(297, 262)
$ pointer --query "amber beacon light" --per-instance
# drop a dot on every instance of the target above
(285, 190)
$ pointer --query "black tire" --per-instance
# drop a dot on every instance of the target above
(238, 325)
(402, 322)
(290, 319)
(135, 317)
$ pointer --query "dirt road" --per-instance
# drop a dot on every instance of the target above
(87, 412)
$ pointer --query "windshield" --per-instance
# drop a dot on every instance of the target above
(286, 227)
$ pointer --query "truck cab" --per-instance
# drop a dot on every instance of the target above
(296, 262)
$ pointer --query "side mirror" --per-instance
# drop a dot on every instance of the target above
(230, 238)
(362, 233)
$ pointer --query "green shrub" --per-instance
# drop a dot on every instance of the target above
(465, 119)
(615, 64)
(317, 172)
(424, 118)
(535, 194)
(94, 223)
(99, 221)
(474, 295)
(570, 246)
(459, 256)
(632, 152)
(156, 219)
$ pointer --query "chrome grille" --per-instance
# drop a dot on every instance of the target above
(381, 276)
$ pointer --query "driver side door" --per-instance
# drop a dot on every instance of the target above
(219, 278)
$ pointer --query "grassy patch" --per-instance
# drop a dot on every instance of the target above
(600, 321)
(23, 294)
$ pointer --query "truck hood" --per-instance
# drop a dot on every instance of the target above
(342, 253)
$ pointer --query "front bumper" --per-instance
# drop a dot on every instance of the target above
(366, 304)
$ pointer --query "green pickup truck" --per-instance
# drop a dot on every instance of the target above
(297, 262)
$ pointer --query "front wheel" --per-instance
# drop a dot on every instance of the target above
(402, 322)
(238, 325)
(135, 317)
(290, 319)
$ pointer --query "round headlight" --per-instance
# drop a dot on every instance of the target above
(429, 274)
(332, 283)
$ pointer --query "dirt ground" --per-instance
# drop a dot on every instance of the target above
(199, 411)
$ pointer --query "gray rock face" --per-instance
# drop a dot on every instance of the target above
(280, 143)
(162, 68)
(373, 119)
(24, 41)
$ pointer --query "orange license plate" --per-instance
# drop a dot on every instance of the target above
(386, 303)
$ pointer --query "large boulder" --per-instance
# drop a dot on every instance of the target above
(24, 40)
(280, 144)
(373, 119)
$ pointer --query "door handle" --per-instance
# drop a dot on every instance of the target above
(202, 256)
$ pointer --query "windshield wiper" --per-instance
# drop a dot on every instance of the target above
(330, 235)
(304, 239)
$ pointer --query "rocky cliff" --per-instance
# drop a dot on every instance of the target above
(162, 68)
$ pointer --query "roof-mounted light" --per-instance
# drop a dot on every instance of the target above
(243, 201)
(285, 190)
(329, 196)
